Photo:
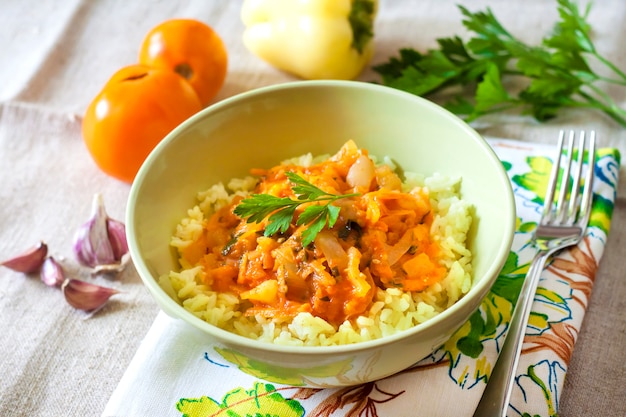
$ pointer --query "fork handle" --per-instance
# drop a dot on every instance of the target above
(497, 394)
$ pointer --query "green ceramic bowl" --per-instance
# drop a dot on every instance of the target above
(262, 127)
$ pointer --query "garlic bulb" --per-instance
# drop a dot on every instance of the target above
(29, 261)
(101, 240)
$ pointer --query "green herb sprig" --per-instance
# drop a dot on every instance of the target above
(558, 72)
(281, 210)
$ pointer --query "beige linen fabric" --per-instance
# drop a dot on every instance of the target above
(54, 58)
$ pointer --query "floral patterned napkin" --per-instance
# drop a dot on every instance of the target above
(175, 374)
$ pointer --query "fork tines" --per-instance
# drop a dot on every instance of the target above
(569, 202)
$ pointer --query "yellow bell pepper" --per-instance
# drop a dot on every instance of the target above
(313, 39)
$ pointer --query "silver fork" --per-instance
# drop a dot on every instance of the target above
(562, 224)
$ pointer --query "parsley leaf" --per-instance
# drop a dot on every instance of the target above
(558, 73)
(490, 92)
(280, 211)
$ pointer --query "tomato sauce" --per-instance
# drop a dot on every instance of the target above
(381, 239)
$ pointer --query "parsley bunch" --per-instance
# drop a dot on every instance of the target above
(558, 72)
(282, 209)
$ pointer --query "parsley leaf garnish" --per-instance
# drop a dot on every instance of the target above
(280, 211)
(558, 72)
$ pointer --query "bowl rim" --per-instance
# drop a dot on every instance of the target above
(475, 295)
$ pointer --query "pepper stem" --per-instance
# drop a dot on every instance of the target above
(362, 22)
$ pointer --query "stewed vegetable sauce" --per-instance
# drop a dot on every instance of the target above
(381, 239)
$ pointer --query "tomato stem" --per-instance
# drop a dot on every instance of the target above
(184, 70)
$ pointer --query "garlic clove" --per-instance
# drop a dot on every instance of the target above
(29, 261)
(86, 296)
(52, 273)
(117, 237)
(91, 242)
(101, 240)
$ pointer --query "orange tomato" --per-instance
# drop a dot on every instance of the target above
(191, 49)
(134, 111)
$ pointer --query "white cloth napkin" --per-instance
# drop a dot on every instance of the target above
(174, 373)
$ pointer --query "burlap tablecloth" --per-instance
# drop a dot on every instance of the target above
(56, 55)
